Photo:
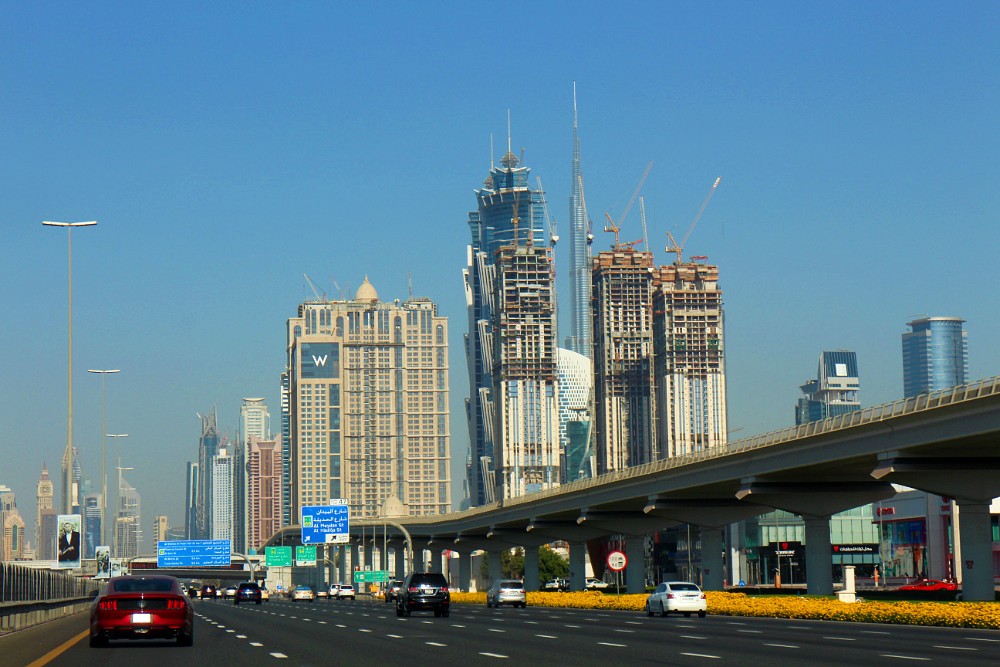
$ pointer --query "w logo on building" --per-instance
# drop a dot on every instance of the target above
(319, 361)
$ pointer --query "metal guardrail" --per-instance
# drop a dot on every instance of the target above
(874, 414)
(29, 595)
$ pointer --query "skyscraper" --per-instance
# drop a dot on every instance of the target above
(208, 446)
(11, 527)
(834, 391)
(579, 340)
(368, 404)
(935, 355)
(223, 513)
(45, 543)
(690, 361)
(263, 490)
(525, 387)
(576, 394)
(509, 213)
(623, 285)
(256, 419)
(128, 526)
(191, 487)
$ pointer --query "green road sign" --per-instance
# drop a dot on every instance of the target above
(278, 556)
(305, 555)
(376, 576)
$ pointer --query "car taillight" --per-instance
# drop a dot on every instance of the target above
(703, 596)
(107, 605)
(443, 589)
(414, 589)
(670, 596)
(175, 604)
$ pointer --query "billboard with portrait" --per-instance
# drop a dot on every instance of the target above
(69, 541)
(103, 555)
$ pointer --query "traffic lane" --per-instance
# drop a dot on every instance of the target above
(25, 646)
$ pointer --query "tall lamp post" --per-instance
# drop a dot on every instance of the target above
(104, 474)
(118, 496)
(68, 474)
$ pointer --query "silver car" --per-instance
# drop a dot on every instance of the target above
(506, 591)
(679, 596)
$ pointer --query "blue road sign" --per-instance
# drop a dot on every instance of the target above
(325, 524)
(193, 553)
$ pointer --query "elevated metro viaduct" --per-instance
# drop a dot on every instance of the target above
(946, 443)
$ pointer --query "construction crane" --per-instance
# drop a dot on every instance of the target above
(583, 205)
(316, 290)
(678, 249)
(642, 216)
(553, 237)
(615, 227)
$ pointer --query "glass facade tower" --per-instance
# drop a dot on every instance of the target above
(935, 355)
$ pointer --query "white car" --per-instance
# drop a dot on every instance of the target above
(345, 591)
(303, 593)
(596, 584)
(679, 596)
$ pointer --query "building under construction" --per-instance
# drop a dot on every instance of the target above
(525, 387)
(623, 286)
(690, 366)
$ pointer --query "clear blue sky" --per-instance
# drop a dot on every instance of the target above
(226, 150)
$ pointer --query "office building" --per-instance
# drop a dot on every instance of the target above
(834, 391)
(509, 213)
(263, 490)
(191, 486)
(128, 524)
(690, 363)
(575, 374)
(624, 400)
(935, 355)
(580, 237)
(13, 543)
(368, 404)
(223, 478)
(256, 419)
(525, 388)
(45, 543)
(209, 444)
(286, 453)
(160, 526)
(92, 511)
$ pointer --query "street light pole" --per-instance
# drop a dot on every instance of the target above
(68, 475)
(118, 496)
(104, 475)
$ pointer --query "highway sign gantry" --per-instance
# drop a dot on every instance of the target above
(325, 524)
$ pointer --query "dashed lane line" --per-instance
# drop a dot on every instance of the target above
(702, 655)
(547, 636)
(902, 657)
(435, 644)
(612, 644)
(782, 645)
(958, 648)
(278, 655)
(493, 655)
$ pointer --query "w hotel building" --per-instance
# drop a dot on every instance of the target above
(367, 404)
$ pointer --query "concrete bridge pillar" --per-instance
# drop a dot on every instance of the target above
(496, 564)
(531, 582)
(976, 539)
(400, 562)
(342, 563)
(712, 577)
(635, 571)
(355, 561)
(465, 570)
(819, 562)
(577, 566)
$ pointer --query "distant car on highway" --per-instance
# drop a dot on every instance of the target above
(248, 591)
(392, 590)
(929, 585)
(423, 591)
(303, 593)
(344, 592)
(229, 592)
(265, 595)
(142, 607)
(208, 592)
(677, 596)
(556, 585)
(596, 584)
(506, 591)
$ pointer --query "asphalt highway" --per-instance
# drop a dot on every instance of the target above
(363, 632)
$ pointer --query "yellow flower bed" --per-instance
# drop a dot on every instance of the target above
(954, 614)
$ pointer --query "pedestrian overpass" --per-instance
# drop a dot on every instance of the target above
(946, 443)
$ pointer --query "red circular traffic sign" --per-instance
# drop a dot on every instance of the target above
(617, 561)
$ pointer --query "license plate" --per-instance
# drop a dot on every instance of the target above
(142, 618)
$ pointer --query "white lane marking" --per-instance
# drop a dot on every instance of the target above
(493, 655)
(306, 620)
(255, 644)
(782, 645)
(799, 627)
(363, 630)
(341, 626)
(547, 636)
(751, 632)
(902, 657)
(633, 622)
(980, 639)
(842, 639)
(692, 637)
(434, 644)
(427, 622)
(241, 636)
(278, 655)
(591, 619)
(456, 625)
(735, 623)
(496, 630)
(395, 636)
(610, 644)
(322, 622)
(230, 630)
(532, 622)
(623, 630)
(572, 626)
(702, 655)
(221, 626)
(875, 632)
(958, 648)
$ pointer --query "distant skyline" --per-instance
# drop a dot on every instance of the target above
(227, 150)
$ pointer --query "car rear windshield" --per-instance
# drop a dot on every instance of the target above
(683, 587)
(430, 579)
(143, 585)
(252, 587)
(511, 584)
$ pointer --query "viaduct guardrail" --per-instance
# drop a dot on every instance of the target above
(29, 596)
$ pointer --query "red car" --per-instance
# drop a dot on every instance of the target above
(929, 585)
(142, 607)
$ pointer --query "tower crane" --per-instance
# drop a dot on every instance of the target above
(678, 249)
(615, 227)
(316, 290)
(549, 223)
